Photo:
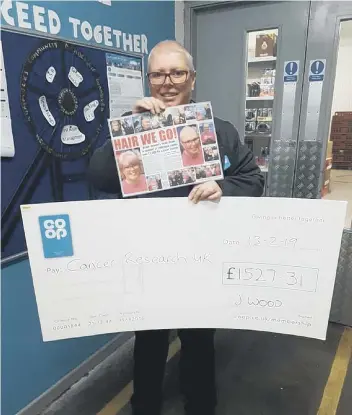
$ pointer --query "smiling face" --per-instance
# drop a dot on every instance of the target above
(115, 125)
(190, 141)
(169, 58)
(146, 124)
(130, 167)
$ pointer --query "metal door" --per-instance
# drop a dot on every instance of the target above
(217, 34)
(219, 40)
(322, 49)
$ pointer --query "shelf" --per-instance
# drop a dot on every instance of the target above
(257, 135)
(268, 98)
(263, 59)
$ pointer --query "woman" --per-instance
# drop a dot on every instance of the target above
(116, 128)
(133, 180)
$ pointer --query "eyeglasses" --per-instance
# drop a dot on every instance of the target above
(176, 77)
(130, 166)
(191, 141)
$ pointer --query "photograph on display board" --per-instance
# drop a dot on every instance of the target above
(173, 149)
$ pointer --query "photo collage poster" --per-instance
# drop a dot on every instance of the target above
(176, 148)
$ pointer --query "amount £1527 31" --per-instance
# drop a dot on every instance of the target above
(270, 275)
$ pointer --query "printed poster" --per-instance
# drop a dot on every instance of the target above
(125, 82)
(176, 148)
(7, 142)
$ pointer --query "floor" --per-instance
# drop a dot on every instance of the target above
(341, 189)
(269, 374)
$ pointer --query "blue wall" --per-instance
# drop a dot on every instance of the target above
(30, 366)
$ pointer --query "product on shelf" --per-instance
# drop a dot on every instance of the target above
(258, 120)
(341, 136)
(264, 127)
(253, 90)
(250, 127)
(251, 115)
(265, 45)
(264, 114)
(267, 83)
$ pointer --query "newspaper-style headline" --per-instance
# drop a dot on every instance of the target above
(176, 148)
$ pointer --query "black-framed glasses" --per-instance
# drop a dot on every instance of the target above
(176, 77)
(191, 141)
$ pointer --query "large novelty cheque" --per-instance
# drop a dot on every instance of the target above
(173, 149)
(263, 264)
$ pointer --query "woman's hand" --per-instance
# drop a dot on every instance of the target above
(205, 191)
(155, 106)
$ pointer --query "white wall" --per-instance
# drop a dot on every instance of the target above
(342, 98)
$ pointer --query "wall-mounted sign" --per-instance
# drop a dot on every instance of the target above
(291, 74)
(291, 71)
(40, 19)
(7, 142)
(317, 70)
(315, 88)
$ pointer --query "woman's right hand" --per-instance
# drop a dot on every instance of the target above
(154, 105)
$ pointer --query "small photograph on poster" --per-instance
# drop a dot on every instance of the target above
(154, 182)
(166, 118)
(190, 112)
(127, 125)
(178, 115)
(116, 128)
(207, 133)
(208, 171)
(182, 177)
(132, 171)
(211, 153)
(173, 149)
(142, 122)
(203, 112)
(190, 144)
(156, 121)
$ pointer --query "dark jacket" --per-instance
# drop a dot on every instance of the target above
(242, 175)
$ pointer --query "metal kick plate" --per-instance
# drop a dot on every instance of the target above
(341, 307)
(307, 178)
(282, 168)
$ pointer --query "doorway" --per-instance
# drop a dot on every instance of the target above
(337, 184)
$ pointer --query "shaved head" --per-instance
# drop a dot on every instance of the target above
(190, 141)
(171, 46)
(171, 73)
(188, 132)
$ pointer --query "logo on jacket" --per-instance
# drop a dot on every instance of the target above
(227, 163)
(56, 236)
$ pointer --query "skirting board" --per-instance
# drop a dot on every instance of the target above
(38, 405)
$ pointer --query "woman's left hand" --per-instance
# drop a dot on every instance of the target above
(205, 191)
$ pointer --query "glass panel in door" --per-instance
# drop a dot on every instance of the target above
(260, 93)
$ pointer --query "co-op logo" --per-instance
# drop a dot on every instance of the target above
(56, 236)
(55, 229)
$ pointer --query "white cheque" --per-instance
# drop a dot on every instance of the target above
(108, 266)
